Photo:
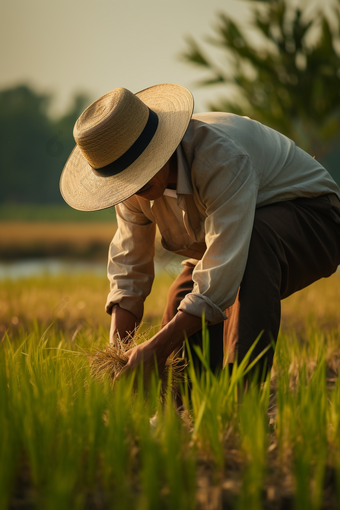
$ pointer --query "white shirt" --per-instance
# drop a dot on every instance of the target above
(227, 167)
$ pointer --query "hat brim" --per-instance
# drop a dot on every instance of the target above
(82, 189)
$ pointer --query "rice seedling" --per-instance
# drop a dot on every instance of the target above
(72, 440)
(111, 359)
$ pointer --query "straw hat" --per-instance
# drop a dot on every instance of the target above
(123, 140)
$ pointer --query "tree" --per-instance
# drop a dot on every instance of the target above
(33, 146)
(291, 83)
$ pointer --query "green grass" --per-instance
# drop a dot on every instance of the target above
(52, 213)
(80, 441)
(80, 444)
(69, 442)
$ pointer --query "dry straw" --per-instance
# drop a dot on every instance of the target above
(109, 362)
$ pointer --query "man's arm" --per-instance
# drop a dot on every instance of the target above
(123, 322)
(229, 193)
(161, 345)
(130, 265)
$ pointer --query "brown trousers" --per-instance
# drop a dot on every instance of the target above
(293, 244)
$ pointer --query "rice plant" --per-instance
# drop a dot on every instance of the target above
(72, 440)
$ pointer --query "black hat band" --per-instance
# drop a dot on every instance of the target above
(133, 153)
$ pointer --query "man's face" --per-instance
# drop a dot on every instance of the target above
(156, 186)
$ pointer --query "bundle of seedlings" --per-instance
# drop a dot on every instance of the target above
(110, 361)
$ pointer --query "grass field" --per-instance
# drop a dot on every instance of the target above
(70, 442)
(71, 240)
(58, 231)
(52, 213)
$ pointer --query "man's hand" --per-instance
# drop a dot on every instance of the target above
(123, 322)
(161, 345)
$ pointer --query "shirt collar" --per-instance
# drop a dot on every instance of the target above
(184, 185)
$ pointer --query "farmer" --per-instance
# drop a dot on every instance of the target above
(256, 217)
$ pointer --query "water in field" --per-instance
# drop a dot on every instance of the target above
(35, 267)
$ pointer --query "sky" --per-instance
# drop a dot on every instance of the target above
(94, 46)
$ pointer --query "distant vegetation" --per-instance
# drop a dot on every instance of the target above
(289, 80)
(33, 145)
(54, 230)
(54, 213)
(56, 239)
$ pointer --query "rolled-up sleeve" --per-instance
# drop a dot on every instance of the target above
(131, 259)
(229, 193)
